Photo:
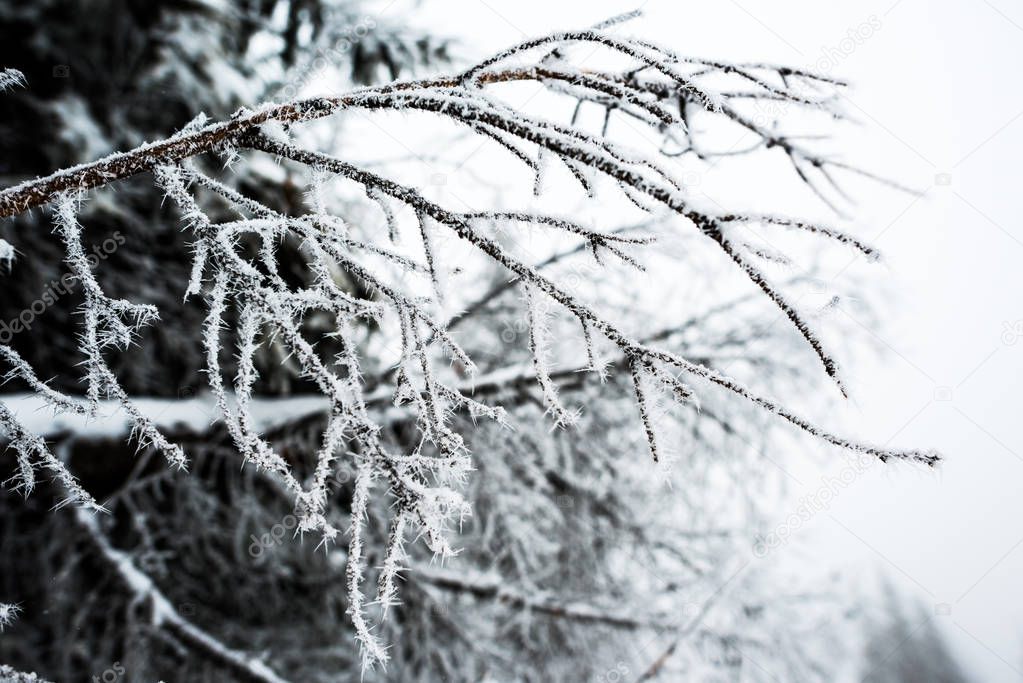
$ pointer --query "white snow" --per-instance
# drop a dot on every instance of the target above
(194, 414)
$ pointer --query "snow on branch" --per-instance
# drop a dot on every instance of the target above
(164, 615)
(493, 587)
(8, 614)
(11, 78)
(9, 675)
(657, 88)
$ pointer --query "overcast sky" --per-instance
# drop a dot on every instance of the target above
(938, 98)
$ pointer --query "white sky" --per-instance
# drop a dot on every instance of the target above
(937, 96)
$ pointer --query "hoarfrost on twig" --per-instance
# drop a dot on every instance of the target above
(659, 90)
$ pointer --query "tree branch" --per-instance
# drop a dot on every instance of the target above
(165, 616)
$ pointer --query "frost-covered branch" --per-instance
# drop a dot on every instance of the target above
(11, 78)
(252, 305)
(163, 613)
(8, 614)
(9, 675)
(492, 588)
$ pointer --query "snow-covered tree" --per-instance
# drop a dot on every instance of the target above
(905, 645)
(453, 404)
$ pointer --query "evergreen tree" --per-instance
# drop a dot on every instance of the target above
(904, 645)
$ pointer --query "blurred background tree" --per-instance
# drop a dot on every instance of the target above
(905, 645)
